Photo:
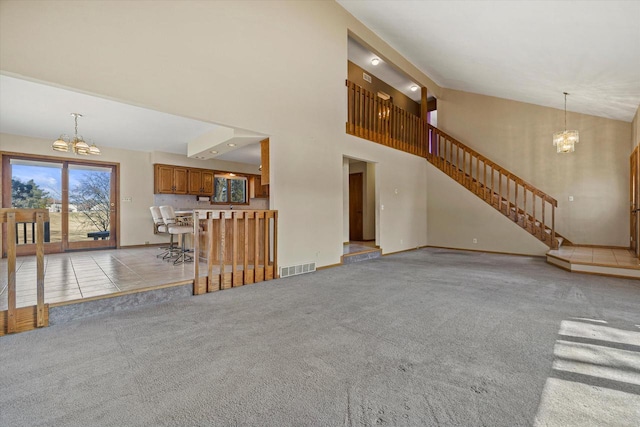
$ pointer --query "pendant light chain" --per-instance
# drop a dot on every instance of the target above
(565, 110)
(565, 141)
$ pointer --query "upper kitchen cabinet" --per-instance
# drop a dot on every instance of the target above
(200, 182)
(170, 179)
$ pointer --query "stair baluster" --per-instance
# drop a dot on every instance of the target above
(378, 120)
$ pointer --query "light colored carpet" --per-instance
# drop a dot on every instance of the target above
(429, 337)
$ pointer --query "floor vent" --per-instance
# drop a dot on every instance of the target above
(297, 269)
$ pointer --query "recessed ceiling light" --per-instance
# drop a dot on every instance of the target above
(414, 88)
(375, 61)
(231, 145)
(213, 152)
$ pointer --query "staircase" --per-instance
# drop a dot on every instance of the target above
(521, 202)
(380, 121)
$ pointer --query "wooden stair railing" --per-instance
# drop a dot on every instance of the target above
(523, 203)
(19, 319)
(377, 120)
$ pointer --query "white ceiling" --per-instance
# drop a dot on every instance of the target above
(529, 51)
(41, 111)
(361, 56)
(526, 51)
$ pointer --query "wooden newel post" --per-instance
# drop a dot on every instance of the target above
(40, 321)
(197, 287)
(11, 272)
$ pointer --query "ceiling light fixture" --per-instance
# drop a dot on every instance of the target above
(375, 61)
(231, 145)
(213, 152)
(414, 88)
(77, 144)
(566, 141)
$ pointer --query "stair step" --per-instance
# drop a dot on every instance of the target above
(361, 256)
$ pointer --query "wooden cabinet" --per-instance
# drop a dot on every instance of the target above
(195, 181)
(264, 160)
(200, 182)
(163, 179)
(170, 179)
(182, 180)
(207, 182)
(257, 189)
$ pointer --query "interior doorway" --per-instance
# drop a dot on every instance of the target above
(359, 203)
(356, 206)
(79, 195)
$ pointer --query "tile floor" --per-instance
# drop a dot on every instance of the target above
(77, 275)
(622, 258)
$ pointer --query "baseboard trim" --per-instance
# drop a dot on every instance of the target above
(150, 245)
(484, 251)
(599, 246)
(324, 267)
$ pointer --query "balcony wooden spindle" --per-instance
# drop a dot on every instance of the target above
(381, 121)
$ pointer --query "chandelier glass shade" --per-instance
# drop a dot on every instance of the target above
(76, 144)
(565, 141)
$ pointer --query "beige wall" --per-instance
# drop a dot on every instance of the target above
(456, 217)
(244, 64)
(517, 136)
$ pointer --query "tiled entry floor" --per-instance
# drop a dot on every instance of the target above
(619, 262)
(623, 258)
(76, 275)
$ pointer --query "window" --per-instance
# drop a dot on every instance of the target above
(230, 188)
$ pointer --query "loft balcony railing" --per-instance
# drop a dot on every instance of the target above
(378, 120)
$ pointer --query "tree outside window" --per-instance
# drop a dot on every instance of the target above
(230, 189)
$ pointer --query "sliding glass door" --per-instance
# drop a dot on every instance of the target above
(80, 197)
(91, 207)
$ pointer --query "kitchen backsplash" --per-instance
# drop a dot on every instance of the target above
(190, 202)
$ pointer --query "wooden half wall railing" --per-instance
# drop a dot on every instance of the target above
(20, 319)
(378, 120)
(241, 248)
(370, 117)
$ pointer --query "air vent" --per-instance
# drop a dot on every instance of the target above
(294, 270)
(366, 77)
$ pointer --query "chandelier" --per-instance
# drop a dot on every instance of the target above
(77, 144)
(565, 142)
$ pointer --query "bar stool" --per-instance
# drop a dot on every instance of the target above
(175, 228)
(161, 228)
